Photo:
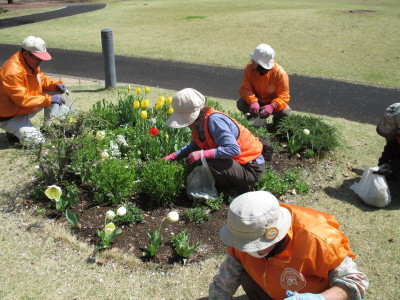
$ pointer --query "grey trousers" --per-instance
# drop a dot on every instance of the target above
(252, 289)
(228, 172)
(277, 116)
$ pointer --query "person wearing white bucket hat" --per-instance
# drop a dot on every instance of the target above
(389, 128)
(265, 86)
(233, 154)
(25, 90)
(283, 251)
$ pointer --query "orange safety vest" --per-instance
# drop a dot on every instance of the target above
(21, 91)
(272, 87)
(250, 146)
(314, 246)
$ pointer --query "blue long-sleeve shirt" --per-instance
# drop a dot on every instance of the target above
(225, 134)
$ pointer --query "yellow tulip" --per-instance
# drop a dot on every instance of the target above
(109, 228)
(144, 103)
(137, 90)
(147, 90)
(161, 99)
(167, 137)
(168, 101)
(170, 110)
(159, 105)
(136, 104)
(53, 192)
(143, 114)
(129, 88)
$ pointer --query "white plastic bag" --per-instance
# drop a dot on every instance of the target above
(372, 188)
(201, 182)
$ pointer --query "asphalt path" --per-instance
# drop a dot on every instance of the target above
(355, 102)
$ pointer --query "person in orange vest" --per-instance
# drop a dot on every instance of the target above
(265, 86)
(25, 91)
(283, 251)
(233, 154)
(389, 128)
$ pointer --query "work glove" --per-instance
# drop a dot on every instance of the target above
(384, 169)
(196, 155)
(254, 108)
(267, 110)
(303, 296)
(58, 99)
(61, 88)
(172, 156)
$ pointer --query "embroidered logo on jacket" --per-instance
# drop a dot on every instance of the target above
(292, 280)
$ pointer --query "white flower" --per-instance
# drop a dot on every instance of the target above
(104, 154)
(110, 215)
(53, 192)
(173, 216)
(114, 149)
(100, 135)
(109, 228)
(121, 211)
(121, 140)
(306, 131)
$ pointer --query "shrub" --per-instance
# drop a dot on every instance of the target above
(321, 137)
(197, 215)
(162, 182)
(113, 180)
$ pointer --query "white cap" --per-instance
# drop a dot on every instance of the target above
(36, 46)
(187, 104)
(263, 55)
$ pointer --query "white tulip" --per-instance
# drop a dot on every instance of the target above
(121, 211)
(173, 216)
(104, 154)
(110, 215)
(53, 192)
(100, 135)
(109, 228)
(306, 131)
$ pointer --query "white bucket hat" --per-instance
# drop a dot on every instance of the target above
(256, 221)
(390, 121)
(187, 104)
(36, 46)
(263, 55)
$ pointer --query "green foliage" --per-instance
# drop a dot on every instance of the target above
(72, 218)
(106, 239)
(197, 215)
(133, 215)
(215, 204)
(182, 246)
(279, 185)
(155, 241)
(162, 182)
(113, 180)
(321, 139)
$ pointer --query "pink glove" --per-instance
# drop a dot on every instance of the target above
(254, 108)
(171, 156)
(267, 110)
(196, 155)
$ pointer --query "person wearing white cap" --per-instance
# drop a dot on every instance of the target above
(265, 86)
(25, 90)
(283, 251)
(233, 154)
(389, 128)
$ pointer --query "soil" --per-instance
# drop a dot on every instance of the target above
(134, 238)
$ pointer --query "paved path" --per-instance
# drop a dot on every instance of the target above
(334, 98)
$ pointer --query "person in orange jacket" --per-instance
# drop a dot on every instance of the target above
(25, 91)
(283, 251)
(265, 86)
(233, 154)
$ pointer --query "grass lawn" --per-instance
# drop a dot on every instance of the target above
(356, 40)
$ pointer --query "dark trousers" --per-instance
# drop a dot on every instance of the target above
(228, 172)
(277, 116)
(252, 289)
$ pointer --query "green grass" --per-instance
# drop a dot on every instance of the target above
(315, 38)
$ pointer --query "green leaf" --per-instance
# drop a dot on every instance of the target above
(72, 218)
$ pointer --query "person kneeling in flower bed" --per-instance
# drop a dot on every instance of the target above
(233, 154)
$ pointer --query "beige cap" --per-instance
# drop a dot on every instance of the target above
(36, 46)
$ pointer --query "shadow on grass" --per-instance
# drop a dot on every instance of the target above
(345, 194)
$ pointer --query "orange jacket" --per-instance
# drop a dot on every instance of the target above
(250, 146)
(272, 87)
(314, 246)
(21, 91)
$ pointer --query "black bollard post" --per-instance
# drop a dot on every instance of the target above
(109, 58)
